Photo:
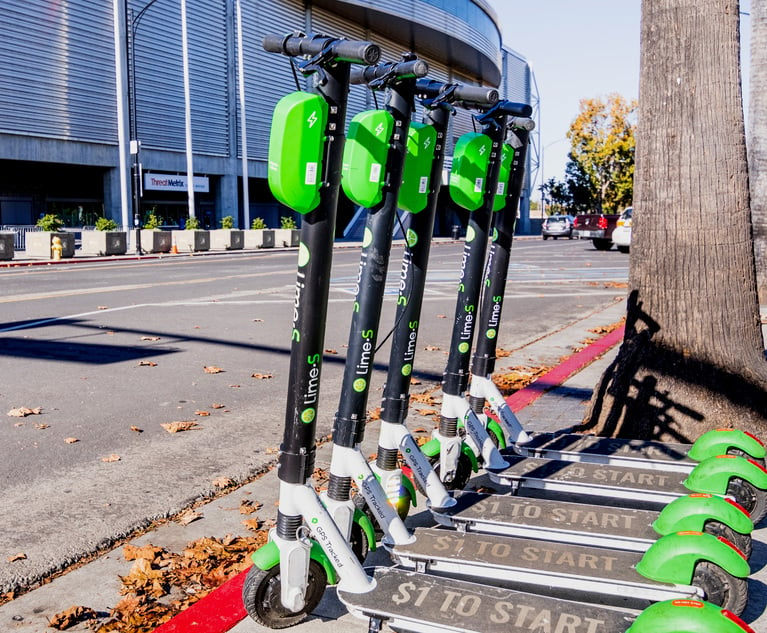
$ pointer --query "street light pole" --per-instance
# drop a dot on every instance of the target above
(132, 22)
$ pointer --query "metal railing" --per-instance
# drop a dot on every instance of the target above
(20, 233)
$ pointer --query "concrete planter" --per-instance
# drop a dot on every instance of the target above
(6, 245)
(227, 239)
(104, 243)
(287, 237)
(38, 243)
(191, 240)
(259, 238)
(154, 241)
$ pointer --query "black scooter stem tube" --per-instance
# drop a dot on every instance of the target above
(349, 423)
(497, 265)
(297, 452)
(415, 260)
(456, 376)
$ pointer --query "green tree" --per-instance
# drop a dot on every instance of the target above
(602, 145)
(692, 358)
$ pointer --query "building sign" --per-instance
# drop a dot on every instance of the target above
(170, 182)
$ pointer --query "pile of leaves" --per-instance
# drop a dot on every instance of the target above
(161, 584)
(516, 378)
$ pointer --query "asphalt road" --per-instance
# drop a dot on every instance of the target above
(111, 351)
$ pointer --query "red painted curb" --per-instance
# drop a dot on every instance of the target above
(556, 376)
(217, 612)
(222, 609)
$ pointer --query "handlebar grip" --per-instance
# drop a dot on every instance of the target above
(356, 51)
(521, 123)
(476, 94)
(515, 109)
(401, 70)
(342, 50)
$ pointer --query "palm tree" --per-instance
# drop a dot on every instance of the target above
(693, 355)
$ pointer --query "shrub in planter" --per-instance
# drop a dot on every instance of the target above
(227, 237)
(259, 236)
(153, 240)
(192, 238)
(38, 244)
(288, 233)
(105, 240)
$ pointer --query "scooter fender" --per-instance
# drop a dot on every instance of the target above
(431, 449)
(267, 556)
(690, 616)
(363, 520)
(366, 149)
(691, 512)
(296, 149)
(673, 558)
(720, 441)
(495, 429)
(713, 474)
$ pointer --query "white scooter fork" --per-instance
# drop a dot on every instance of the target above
(483, 388)
(301, 500)
(349, 463)
(396, 437)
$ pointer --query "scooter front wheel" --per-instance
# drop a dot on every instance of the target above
(722, 589)
(261, 596)
(462, 472)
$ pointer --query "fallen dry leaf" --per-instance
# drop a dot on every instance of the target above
(150, 338)
(23, 412)
(103, 308)
(147, 363)
(70, 617)
(133, 552)
(42, 427)
(179, 426)
(234, 386)
(111, 458)
(431, 348)
(331, 351)
(251, 524)
(136, 429)
(217, 405)
(415, 381)
(249, 507)
(15, 557)
(202, 414)
(272, 450)
(223, 482)
(187, 516)
(258, 320)
(262, 376)
(71, 440)
(441, 316)
(212, 369)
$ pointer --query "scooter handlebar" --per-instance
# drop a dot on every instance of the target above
(515, 109)
(395, 71)
(478, 95)
(354, 51)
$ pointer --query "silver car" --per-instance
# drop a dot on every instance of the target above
(557, 226)
(622, 232)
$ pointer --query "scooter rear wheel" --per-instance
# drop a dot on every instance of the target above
(741, 541)
(722, 589)
(750, 497)
(261, 596)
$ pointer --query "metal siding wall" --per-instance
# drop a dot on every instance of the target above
(267, 75)
(516, 78)
(57, 76)
(159, 77)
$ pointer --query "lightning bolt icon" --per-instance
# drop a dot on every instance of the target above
(312, 119)
(379, 129)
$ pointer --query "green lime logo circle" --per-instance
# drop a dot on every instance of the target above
(470, 233)
(491, 334)
(303, 255)
(495, 234)
(367, 238)
(308, 415)
(463, 348)
(412, 238)
(360, 384)
(407, 369)
(315, 520)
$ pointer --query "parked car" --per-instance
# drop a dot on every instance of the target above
(597, 227)
(557, 226)
(622, 232)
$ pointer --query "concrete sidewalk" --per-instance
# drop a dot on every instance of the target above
(96, 585)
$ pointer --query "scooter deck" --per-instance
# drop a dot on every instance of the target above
(419, 602)
(605, 450)
(563, 570)
(561, 521)
(631, 487)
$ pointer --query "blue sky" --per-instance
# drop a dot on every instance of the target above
(578, 49)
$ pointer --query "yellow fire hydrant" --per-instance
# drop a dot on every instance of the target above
(56, 247)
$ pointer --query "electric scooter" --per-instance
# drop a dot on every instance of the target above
(457, 605)
(306, 549)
